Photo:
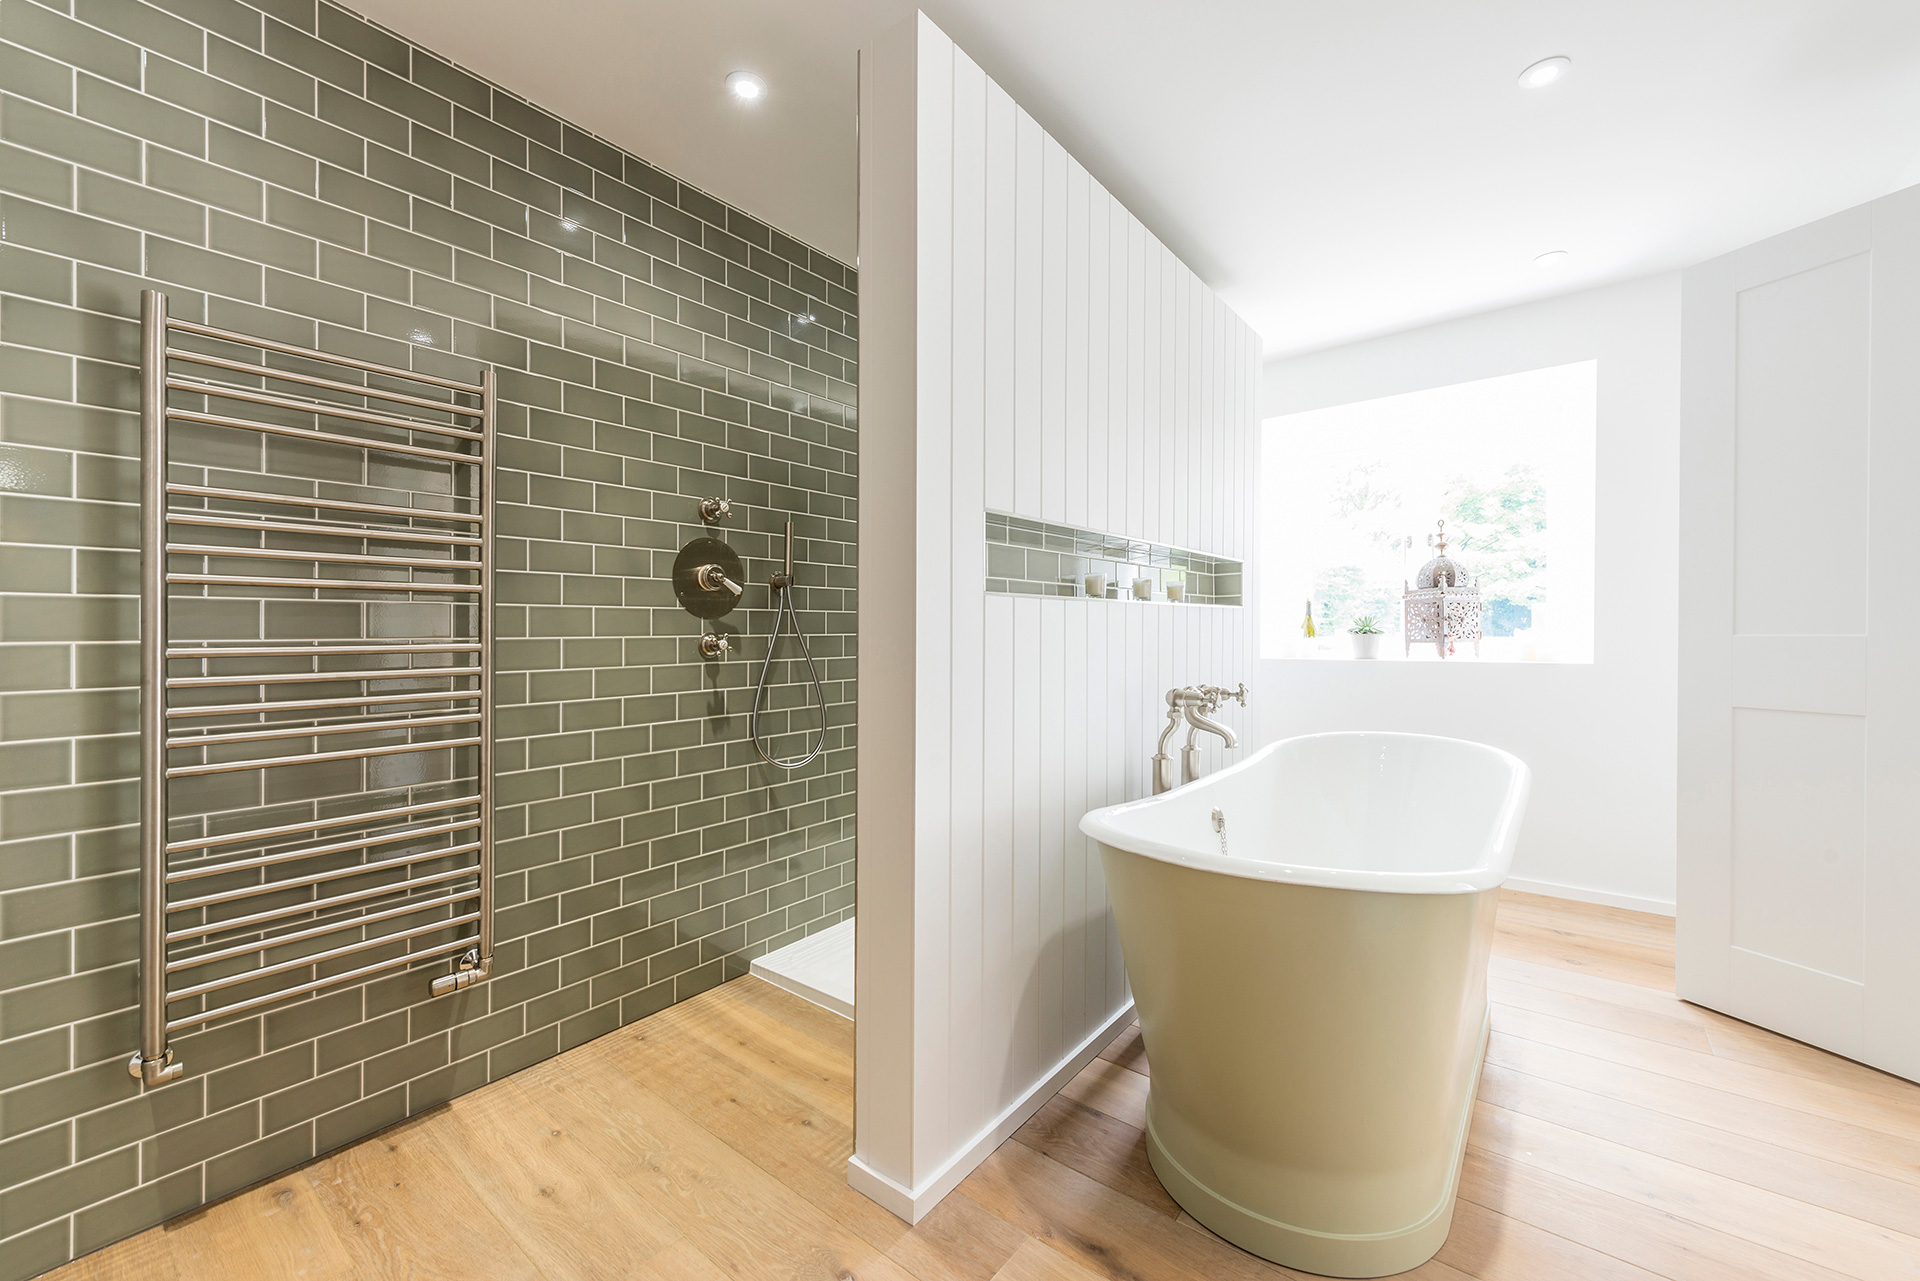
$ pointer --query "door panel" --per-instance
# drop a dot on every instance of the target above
(1801, 453)
(1799, 793)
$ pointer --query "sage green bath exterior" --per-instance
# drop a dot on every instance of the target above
(1316, 1047)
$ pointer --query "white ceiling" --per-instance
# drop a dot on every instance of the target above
(1333, 169)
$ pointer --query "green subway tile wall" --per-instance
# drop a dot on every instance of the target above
(287, 169)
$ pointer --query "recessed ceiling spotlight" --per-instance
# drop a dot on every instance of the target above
(746, 86)
(1545, 72)
(1553, 258)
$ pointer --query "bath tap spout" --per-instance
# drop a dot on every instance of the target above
(1198, 720)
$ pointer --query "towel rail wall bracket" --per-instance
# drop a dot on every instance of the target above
(440, 880)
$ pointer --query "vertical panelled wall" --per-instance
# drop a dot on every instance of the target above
(285, 168)
(1064, 366)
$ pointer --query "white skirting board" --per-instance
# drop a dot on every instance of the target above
(1581, 894)
(819, 968)
(912, 1204)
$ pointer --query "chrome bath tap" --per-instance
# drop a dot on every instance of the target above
(1195, 704)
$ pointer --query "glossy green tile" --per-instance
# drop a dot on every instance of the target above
(30, 75)
(259, 242)
(134, 205)
(227, 18)
(313, 218)
(317, 138)
(380, 203)
(36, 373)
(349, 31)
(176, 263)
(204, 95)
(147, 26)
(60, 37)
(260, 158)
(106, 103)
(209, 184)
(316, 57)
(28, 173)
(68, 137)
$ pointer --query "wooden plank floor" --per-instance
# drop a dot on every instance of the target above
(1619, 1134)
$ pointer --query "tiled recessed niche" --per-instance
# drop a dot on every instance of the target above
(1035, 558)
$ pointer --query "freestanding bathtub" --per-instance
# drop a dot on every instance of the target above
(1306, 934)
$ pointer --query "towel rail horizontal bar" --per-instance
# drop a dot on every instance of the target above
(201, 520)
(298, 678)
(292, 349)
(311, 704)
(215, 738)
(321, 931)
(175, 995)
(274, 374)
(319, 758)
(331, 504)
(319, 557)
(332, 980)
(329, 558)
(324, 437)
(304, 651)
(307, 405)
(320, 878)
(310, 906)
(318, 584)
(200, 871)
(338, 820)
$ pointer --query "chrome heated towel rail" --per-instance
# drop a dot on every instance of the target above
(337, 823)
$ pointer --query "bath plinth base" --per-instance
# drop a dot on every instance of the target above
(1301, 1247)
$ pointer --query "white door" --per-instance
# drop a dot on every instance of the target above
(1799, 832)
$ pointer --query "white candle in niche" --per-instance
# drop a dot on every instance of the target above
(1143, 589)
(1176, 591)
(1097, 586)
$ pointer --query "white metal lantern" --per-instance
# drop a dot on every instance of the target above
(1441, 605)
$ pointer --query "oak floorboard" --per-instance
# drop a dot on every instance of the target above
(1607, 1016)
(1036, 1262)
(957, 1241)
(1108, 1233)
(542, 1184)
(1104, 1149)
(1788, 1127)
(1898, 1117)
(751, 1225)
(1109, 1088)
(1129, 1050)
(1842, 1243)
(1864, 1194)
(402, 1209)
(1637, 1234)
(1490, 1246)
(279, 1229)
(803, 1146)
(1643, 965)
(1590, 921)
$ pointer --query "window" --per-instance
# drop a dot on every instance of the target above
(1352, 493)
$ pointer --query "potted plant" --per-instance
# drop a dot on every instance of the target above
(1366, 637)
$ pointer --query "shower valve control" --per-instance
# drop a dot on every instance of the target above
(714, 645)
(712, 509)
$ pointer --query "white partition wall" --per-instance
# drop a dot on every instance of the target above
(1799, 876)
(1031, 349)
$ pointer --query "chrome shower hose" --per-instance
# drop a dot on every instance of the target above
(782, 610)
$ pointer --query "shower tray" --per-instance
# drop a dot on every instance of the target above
(819, 968)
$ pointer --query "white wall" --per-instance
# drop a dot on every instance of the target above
(1029, 347)
(1600, 737)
